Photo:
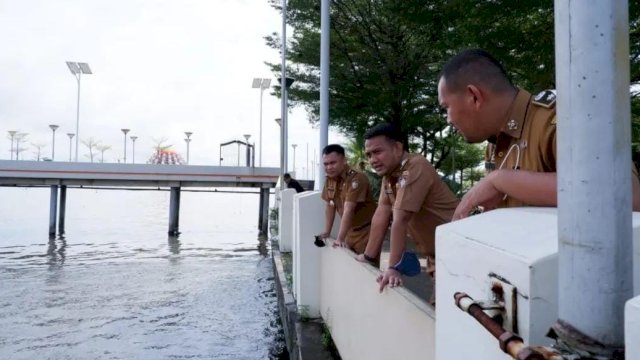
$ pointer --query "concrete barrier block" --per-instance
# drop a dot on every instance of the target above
(285, 220)
(632, 328)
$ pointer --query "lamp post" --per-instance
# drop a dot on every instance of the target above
(70, 135)
(12, 133)
(246, 137)
(53, 142)
(262, 84)
(188, 141)
(294, 146)
(124, 131)
(77, 69)
(133, 148)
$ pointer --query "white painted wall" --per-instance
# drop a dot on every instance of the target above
(309, 221)
(285, 220)
(366, 324)
(632, 328)
(519, 245)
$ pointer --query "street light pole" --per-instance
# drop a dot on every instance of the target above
(12, 133)
(262, 84)
(188, 141)
(294, 146)
(53, 142)
(77, 69)
(124, 131)
(133, 148)
(246, 137)
(70, 135)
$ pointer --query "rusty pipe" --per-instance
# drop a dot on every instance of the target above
(510, 343)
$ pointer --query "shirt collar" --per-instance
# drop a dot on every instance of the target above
(514, 122)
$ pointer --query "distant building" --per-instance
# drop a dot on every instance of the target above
(166, 157)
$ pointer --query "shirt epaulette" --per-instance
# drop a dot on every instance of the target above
(545, 98)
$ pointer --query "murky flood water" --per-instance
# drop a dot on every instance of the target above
(117, 287)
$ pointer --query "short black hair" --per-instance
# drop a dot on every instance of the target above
(333, 148)
(388, 130)
(287, 176)
(477, 67)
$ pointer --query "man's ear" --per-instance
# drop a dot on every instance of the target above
(475, 96)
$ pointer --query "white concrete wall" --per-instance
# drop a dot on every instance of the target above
(285, 220)
(366, 324)
(632, 328)
(519, 245)
(308, 222)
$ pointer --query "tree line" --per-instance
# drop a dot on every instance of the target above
(385, 58)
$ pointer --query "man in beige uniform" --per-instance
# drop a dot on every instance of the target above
(413, 193)
(347, 192)
(483, 105)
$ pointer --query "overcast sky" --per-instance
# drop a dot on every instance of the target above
(160, 67)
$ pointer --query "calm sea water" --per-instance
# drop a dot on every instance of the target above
(117, 287)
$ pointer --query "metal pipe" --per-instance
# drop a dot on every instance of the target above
(510, 343)
(325, 24)
(594, 169)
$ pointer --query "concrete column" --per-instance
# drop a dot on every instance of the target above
(260, 214)
(325, 30)
(594, 170)
(264, 210)
(53, 210)
(308, 212)
(174, 211)
(285, 220)
(63, 208)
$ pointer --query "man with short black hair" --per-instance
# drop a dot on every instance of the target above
(347, 192)
(292, 183)
(483, 104)
(413, 199)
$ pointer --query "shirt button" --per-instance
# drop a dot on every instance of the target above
(500, 154)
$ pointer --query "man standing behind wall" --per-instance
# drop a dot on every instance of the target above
(347, 192)
(483, 104)
(413, 193)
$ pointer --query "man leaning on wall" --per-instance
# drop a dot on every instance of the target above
(413, 199)
(346, 192)
(483, 104)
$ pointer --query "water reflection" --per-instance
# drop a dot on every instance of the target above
(56, 251)
(174, 244)
(263, 249)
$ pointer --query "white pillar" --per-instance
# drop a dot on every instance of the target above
(309, 217)
(285, 220)
(594, 167)
(325, 25)
(632, 328)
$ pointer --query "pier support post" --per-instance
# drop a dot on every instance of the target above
(174, 211)
(63, 208)
(53, 210)
(260, 215)
(264, 210)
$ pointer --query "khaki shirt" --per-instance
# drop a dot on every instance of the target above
(527, 140)
(353, 186)
(416, 187)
